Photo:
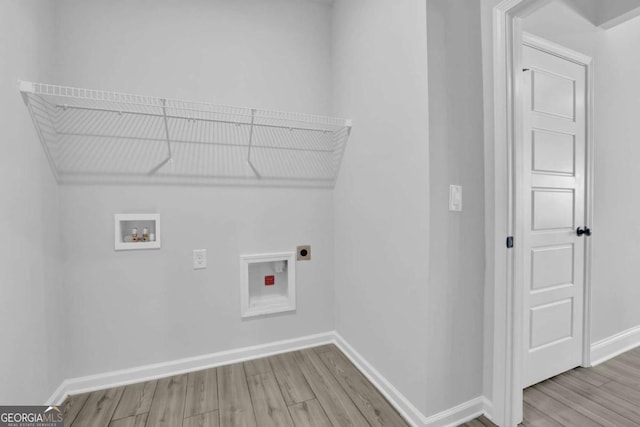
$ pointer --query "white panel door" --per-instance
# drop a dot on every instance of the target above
(554, 147)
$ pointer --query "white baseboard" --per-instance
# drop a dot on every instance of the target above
(449, 418)
(488, 409)
(181, 366)
(397, 399)
(614, 345)
(457, 415)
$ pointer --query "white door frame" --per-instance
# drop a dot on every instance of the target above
(507, 264)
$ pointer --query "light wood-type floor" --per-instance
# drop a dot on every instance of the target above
(605, 395)
(313, 387)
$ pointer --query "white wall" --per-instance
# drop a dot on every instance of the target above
(381, 201)
(616, 233)
(560, 23)
(604, 13)
(265, 54)
(32, 336)
(589, 10)
(611, 13)
(132, 308)
(456, 276)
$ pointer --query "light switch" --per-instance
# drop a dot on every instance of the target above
(455, 198)
(199, 259)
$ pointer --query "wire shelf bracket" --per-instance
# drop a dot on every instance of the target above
(93, 136)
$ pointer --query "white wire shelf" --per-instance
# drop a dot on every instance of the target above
(93, 136)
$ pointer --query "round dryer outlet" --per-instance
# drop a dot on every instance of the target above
(304, 253)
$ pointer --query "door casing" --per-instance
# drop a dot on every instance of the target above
(507, 264)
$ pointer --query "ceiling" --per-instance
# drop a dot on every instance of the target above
(605, 13)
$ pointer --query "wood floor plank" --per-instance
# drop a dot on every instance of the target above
(327, 347)
(561, 413)
(622, 391)
(202, 393)
(72, 406)
(268, 403)
(139, 420)
(292, 382)
(588, 375)
(334, 400)
(618, 374)
(257, 366)
(602, 397)
(631, 358)
(624, 367)
(323, 388)
(309, 414)
(535, 418)
(625, 363)
(584, 405)
(210, 419)
(235, 405)
(99, 408)
(369, 401)
(485, 421)
(481, 421)
(167, 407)
(135, 400)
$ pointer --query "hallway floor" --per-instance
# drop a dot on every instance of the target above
(313, 387)
(605, 395)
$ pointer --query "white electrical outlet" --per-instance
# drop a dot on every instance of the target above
(199, 259)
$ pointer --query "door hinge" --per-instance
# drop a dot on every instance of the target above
(509, 242)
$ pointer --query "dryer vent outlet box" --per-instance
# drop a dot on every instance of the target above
(268, 283)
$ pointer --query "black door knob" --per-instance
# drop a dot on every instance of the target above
(586, 231)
